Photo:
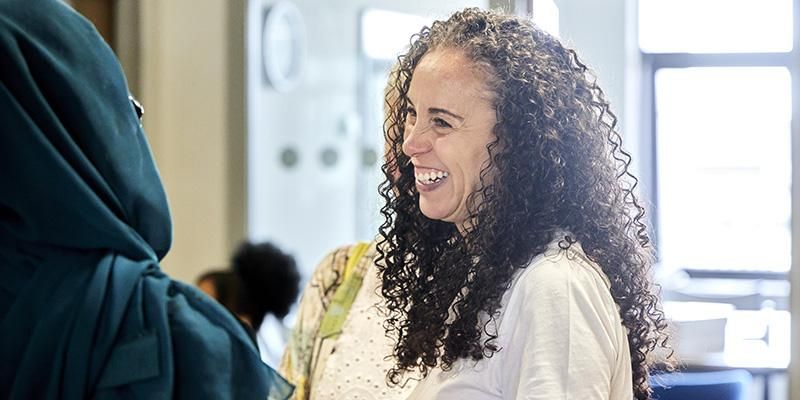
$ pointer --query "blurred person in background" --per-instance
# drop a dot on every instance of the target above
(260, 288)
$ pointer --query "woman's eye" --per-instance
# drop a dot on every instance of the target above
(440, 123)
(411, 117)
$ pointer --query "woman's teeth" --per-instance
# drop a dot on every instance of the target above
(427, 178)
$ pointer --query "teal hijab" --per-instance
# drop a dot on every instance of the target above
(85, 311)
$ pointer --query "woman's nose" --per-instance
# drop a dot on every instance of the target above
(417, 140)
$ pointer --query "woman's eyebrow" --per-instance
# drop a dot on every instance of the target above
(436, 110)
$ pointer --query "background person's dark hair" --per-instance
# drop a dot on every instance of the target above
(557, 165)
(262, 280)
(269, 281)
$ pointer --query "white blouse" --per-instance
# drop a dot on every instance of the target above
(560, 337)
(271, 337)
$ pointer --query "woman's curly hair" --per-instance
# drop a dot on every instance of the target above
(556, 165)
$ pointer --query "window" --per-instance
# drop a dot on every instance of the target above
(723, 162)
(715, 26)
(720, 96)
(718, 87)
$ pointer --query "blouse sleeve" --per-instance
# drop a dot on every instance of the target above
(563, 343)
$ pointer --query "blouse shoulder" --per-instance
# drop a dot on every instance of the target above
(331, 269)
(332, 263)
(561, 265)
(562, 304)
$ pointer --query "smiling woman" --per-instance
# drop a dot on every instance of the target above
(514, 255)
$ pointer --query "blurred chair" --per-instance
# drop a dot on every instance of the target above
(718, 385)
(742, 293)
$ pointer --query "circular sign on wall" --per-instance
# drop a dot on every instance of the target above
(283, 46)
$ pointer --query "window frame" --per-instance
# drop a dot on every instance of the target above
(651, 63)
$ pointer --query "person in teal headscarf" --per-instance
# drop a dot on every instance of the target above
(85, 310)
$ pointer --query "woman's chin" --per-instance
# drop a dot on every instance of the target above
(439, 214)
(432, 212)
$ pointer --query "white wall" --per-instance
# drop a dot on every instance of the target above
(188, 71)
(597, 31)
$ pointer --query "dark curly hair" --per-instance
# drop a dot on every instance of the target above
(556, 166)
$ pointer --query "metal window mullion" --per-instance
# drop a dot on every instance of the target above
(794, 272)
(686, 60)
(647, 145)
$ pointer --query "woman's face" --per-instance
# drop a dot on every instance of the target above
(448, 126)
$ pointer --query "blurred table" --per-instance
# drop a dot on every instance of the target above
(757, 341)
